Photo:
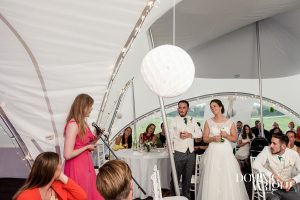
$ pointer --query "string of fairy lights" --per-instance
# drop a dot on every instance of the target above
(124, 51)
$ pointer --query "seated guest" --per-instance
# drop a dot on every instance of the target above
(297, 140)
(239, 130)
(277, 163)
(148, 135)
(114, 181)
(124, 141)
(244, 140)
(46, 181)
(277, 130)
(274, 130)
(161, 137)
(291, 135)
(200, 146)
(254, 129)
(275, 125)
(291, 126)
(118, 143)
(258, 132)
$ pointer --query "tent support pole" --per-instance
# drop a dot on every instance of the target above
(164, 117)
(170, 146)
(134, 112)
(259, 78)
(17, 137)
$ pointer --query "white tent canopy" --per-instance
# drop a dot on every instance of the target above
(225, 58)
(52, 51)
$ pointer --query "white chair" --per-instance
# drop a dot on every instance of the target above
(195, 178)
(175, 198)
(258, 183)
(101, 154)
(98, 156)
(294, 173)
(155, 178)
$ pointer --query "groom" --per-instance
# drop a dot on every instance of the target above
(183, 130)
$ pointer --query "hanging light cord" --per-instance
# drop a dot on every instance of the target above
(174, 25)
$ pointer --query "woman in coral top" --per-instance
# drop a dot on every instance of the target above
(77, 147)
(47, 182)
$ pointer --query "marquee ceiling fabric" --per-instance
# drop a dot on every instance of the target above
(53, 50)
(50, 51)
(226, 62)
(223, 34)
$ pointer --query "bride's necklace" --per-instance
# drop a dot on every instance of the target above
(219, 119)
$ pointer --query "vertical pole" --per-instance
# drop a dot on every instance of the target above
(260, 79)
(134, 113)
(170, 146)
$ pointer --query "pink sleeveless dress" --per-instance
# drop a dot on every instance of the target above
(81, 169)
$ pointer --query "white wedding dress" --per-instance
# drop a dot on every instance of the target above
(220, 174)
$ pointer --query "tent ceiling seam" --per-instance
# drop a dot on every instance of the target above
(40, 77)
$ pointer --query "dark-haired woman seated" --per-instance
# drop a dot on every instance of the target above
(47, 182)
(149, 134)
(124, 141)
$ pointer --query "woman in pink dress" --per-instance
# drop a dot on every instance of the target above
(77, 147)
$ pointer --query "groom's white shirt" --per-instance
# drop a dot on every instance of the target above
(178, 125)
(269, 164)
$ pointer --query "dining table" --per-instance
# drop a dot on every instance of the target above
(142, 163)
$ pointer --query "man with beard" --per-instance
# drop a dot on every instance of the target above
(239, 129)
(277, 162)
(183, 130)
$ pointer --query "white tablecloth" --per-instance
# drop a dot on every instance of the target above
(142, 163)
(175, 198)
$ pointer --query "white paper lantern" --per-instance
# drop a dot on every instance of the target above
(168, 70)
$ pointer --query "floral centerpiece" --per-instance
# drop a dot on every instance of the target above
(148, 144)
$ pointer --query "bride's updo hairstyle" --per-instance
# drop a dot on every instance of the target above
(217, 101)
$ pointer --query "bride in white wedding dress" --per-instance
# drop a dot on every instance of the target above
(219, 170)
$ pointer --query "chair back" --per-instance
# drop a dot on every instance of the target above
(257, 145)
(197, 173)
(155, 178)
(258, 183)
(252, 158)
(98, 156)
